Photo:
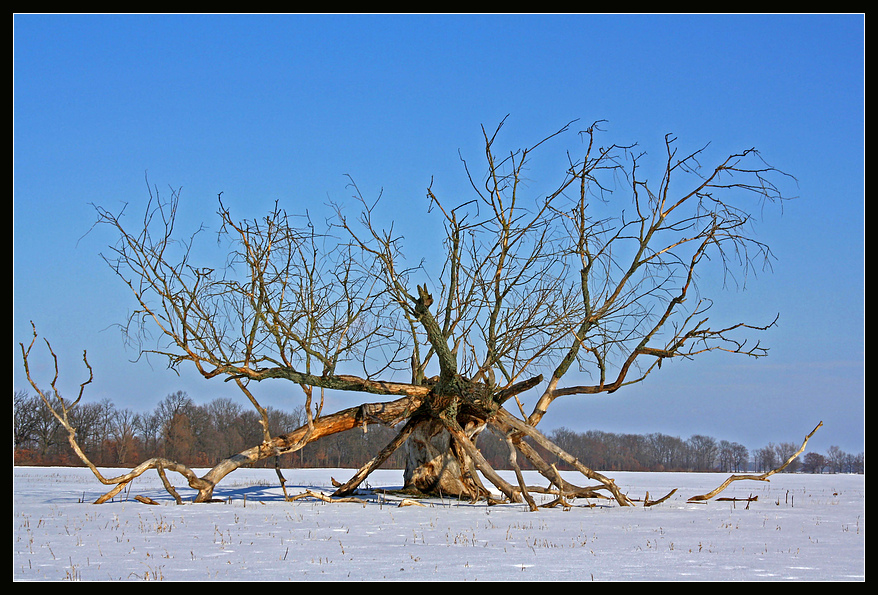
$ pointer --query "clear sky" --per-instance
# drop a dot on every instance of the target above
(267, 108)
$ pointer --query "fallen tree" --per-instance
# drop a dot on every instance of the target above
(529, 289)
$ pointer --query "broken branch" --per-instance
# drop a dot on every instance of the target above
(762, 477)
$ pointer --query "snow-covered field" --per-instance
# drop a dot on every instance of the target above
(802, 527)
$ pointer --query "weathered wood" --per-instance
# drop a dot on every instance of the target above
(409, 502)
(437, 464)
(324, 426)
(513, 461)
(647, 502)
(479, 461)
(323, 497)
(748, 499)
(505, 417)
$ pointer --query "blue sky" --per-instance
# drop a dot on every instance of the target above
(267, 108)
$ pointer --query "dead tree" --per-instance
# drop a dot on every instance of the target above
(592, 278)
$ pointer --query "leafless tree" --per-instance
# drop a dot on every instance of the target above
(814, 463)
(836, 458)
(766, 457)
(704, 451)
(592, 277)
(122, 432)
(784, 450)
(732, 456)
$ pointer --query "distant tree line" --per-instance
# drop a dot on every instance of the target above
(201, 435)
(660, 452)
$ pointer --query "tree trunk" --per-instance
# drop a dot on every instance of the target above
(435, 463)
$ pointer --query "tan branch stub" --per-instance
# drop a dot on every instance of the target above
(647, 502)
(323, 497)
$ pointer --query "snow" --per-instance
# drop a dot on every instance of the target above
(801, 528)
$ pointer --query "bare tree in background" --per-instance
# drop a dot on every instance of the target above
(594, 278)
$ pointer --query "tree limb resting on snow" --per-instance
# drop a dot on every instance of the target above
(763, 477)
